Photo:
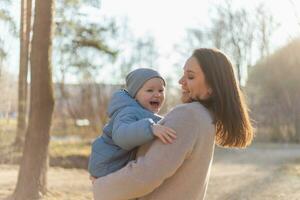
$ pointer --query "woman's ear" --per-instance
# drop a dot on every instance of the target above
(209, 91)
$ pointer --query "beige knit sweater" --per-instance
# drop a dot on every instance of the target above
(178, 171)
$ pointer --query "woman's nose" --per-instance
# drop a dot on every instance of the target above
(181, 81)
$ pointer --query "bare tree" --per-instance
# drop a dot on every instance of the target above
(266, 26)
(239, 36)
(32, 179)
(25, 29)
(238, 32)
(231, 30)
(145, 52)
(295, 10)
(275, 98)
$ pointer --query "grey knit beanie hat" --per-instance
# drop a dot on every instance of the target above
(136, 79)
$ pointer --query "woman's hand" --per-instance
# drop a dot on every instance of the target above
(165, 134)
(93, 179)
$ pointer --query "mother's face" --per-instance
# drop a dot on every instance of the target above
(193, 84)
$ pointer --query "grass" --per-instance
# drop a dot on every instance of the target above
(8, 123)
(7, 131)
(57, 147)
(63, 152)
(68, 153)
(68, 128)
(64, 149)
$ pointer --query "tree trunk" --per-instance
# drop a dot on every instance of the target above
(25, 24)
(297, 123)
(33, 170)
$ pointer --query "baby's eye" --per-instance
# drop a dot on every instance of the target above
(190, 77)
(161, 90)
(149, 90)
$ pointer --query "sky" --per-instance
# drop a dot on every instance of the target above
(167, 21)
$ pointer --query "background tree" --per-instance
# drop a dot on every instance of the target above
(238, 33)
(25, 30)
(266, 25)
(7, 107)
(81, 49)
(32, 177)
(275, 94)
(6, 20)
(295, 11)
(86, 48)
(133, 51)
(7, 81)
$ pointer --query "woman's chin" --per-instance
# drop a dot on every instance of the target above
(185, 98)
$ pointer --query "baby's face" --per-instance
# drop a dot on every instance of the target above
(152, 94)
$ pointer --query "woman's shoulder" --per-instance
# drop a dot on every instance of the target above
(192, 110)
(190, 105)
(193, 107)
(190, 118)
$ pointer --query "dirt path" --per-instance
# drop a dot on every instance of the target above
(63, 184)
(262, 172)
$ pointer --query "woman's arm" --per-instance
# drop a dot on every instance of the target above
(161, 161)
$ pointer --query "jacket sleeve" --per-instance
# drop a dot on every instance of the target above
(142, 176)
(129, 132)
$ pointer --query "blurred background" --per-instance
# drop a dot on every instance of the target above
(96, 43)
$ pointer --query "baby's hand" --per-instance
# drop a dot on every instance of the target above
(93, 179)
(165, 134)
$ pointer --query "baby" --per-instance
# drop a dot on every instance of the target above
(133, 122)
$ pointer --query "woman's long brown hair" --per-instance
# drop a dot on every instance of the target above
(233, 126)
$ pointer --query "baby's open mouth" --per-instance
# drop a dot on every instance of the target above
(154, 103)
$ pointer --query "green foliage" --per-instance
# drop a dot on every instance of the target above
(6, 16)
(6, 20)
(94, 3)
(81, 44)
(3, 53)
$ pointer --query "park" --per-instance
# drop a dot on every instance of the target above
(61, 62)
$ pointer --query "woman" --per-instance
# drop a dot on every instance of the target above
(213, 111)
